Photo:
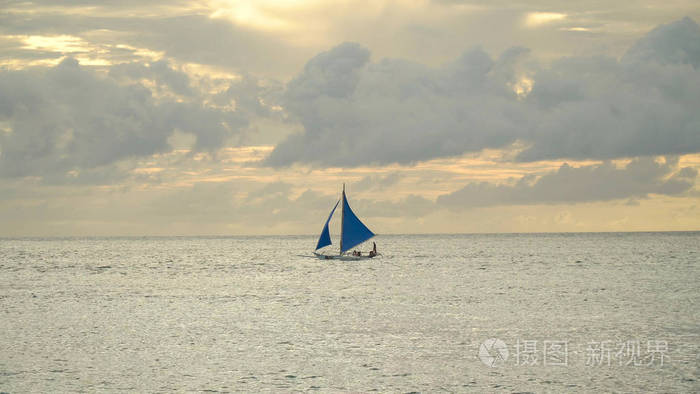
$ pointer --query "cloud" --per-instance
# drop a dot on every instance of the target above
(410, 206)
(378, 182)
(265, 205)
(160, 72)
(638, 179)
(673, 43)
(68, 121)
(535, 19)
(185, 35)
(200, 39)
(604, 109)
(278, 203)
(357, 112)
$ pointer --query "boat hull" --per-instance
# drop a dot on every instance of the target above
(341, 257)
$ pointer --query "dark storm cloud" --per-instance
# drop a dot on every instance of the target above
(356, 112)
(67, 120)
(603, 182)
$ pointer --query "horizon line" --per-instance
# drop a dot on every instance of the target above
(5, 237)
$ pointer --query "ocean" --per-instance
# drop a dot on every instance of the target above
(456, 313)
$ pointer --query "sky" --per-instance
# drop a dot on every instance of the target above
(446, 116)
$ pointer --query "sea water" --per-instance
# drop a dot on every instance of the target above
(458, 313)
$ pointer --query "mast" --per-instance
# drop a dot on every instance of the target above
(342, 219)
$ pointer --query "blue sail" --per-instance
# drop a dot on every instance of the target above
(354, 232)
(325, 238)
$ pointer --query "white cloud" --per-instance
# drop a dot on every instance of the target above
(604, 182)
(67, 122)
(537, 19)
(357, 112)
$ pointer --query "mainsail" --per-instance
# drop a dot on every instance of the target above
(353, 231)
(325, 238)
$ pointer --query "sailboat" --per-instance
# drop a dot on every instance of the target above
(352, 233)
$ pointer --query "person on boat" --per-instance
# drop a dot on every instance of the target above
(373, 252)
